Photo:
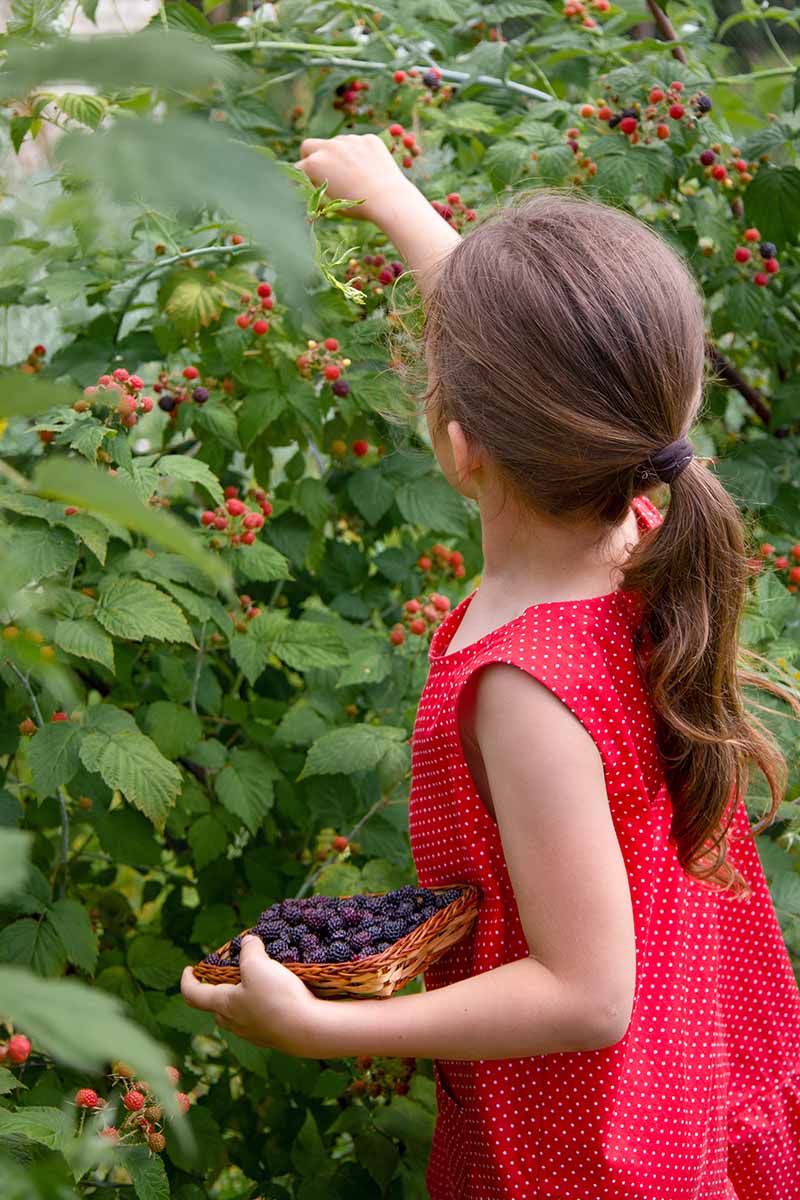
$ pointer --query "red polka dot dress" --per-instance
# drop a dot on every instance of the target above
(700, 1100)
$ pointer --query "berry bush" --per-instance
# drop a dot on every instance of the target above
(225, 549)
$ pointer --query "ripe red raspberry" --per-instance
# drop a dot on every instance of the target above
(441, 602)
(247, 538)
(236, 239)
(409, 140)
(676, 111)
(264, 289)
(412, 606)
(742, 254)
(766, 549)
(408, 162)
(397, 636)
(331, 371)
(761, 280)
(718, 172)
(459, 571)
(399, 76)
(70, 510)
(396, 130)
(18, 1048)
(771, 266)
(604, 113)
(752, 235)
(340, 843)
(110, 1132)
(268, 304)
(331, 344)
(417, 626)
(266, 508)
(795, 551)
(207, 518)
(183, 1101)
(39, 351)
(360, 448)
(662, 131)
(253, 520)
(120, 374)
(104, 381)
(86, 1098)
(781, 563)
(260, 327)
(230, 490)
(590, 22)
(252, 613)
(424, 563)
(235, 507)
(259, 495)
(136, 383)
(741, 166)
(220, 522)
(126, 405)
(676, 86)
(59, 716)
(794, 574)
(46, 435)
(190, 372)
(133, 1100)
(243, 321)
(456, 557)
(147, 404)
(430, 613)
(656, 95)
(628, 124)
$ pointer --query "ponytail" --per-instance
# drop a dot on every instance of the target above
(692, 573)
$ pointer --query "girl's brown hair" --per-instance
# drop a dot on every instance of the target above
(567, 339)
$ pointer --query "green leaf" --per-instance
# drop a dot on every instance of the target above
(372, 495)
(133, 609)
(115, 498)
(85, 639)
(14, 850)
(355, 748)
(90, 531)
(433, 503)
(37, 552)
(128, 760)
(220, 422)
(308, 1150)
(88, 437)
(261, 563)
(53, 756)
(250, 654)
(34, 944)
(301, 725)
(147, 1172)
(82, 107)
(302, 645)
(378, 1154)
(26, 396)
(214, 924)
(370, 665)
(48, 1126)
(313, 500)
(772, 203)
(244, 786)
(155, 962)
(8, 1082)
(71, 922)
(178, 466)
(208, 840)
(174, 729)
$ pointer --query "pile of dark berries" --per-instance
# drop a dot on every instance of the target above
(334, 929)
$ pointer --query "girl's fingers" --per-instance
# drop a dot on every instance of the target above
(309, 145)
(210, 997)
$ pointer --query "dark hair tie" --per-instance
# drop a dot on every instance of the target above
(668, 463)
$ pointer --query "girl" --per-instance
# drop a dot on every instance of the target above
(623, 1023)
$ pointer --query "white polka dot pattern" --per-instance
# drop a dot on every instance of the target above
(700, 1100)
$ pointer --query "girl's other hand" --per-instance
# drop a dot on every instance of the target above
(357, 166)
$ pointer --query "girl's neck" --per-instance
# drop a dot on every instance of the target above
(528, 560)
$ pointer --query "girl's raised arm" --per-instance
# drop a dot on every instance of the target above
(360, 167)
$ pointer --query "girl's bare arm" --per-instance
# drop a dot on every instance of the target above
(360, 167)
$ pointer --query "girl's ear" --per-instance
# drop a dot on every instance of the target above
(466, 460)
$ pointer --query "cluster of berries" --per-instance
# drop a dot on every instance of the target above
(575, 10)
(119, 395)
(12, 632)
(324, 358)
(249, 610)
(383, 1077)
(172, 393)
(33, 363)
(584, 163)
(421, 616)
(253, 317)
(641, 120)
(454, 211)
(348, 98)
(768, 252)
(782, 563)
(328, 842)
(727, 166)
(493, 35)
(431, 79)
(17, 1048)
(452, 560)
(335, 929)
(234, 518)
(143, 1120)
(372, 273)
(405, 144)
(360, 447)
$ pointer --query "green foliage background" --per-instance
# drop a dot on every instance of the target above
(202, 766)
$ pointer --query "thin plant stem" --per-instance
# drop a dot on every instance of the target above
(197, 666)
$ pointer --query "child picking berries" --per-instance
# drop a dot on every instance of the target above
(624, 1023)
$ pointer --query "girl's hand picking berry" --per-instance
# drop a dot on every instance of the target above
(271, 1006)
(357, 167)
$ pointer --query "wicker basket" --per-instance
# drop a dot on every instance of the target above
(378, 975)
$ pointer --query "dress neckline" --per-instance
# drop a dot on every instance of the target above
(647, 516)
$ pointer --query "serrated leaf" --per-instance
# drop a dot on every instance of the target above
(355, 748)
(250, 654)
(9, 1082)
(85, 639)
(14, 850)
(369, 665)
(33, 944)
(314, 501)
(173, 728)
(35, 553)
(301, 725)
(772, 203)
(135, 610)
(155, 962)
(219, 421)
(302, 645)
(53, 756)
(84, 108)
(178, 466)
(91, 532)
(71, 922)
(191, 300)
(261, 563)
(87, 437)
(372, 495)
(115, 747)
(245, 787)
(208, 840)
(147, 1172)
(433, 503)
(48, 1126)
